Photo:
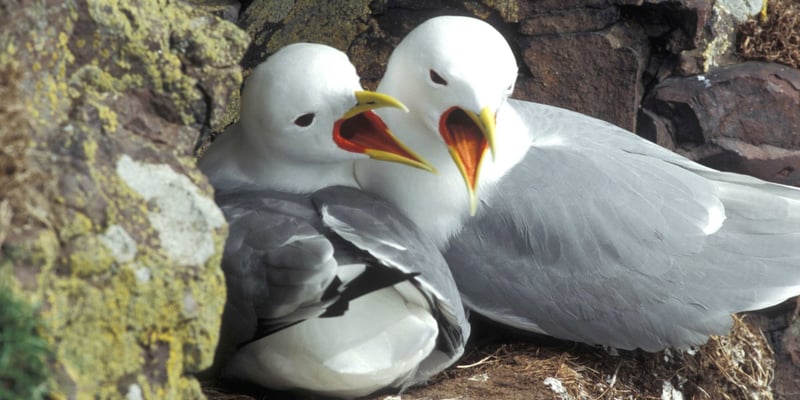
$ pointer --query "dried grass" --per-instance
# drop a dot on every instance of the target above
(737, 366)
(777, 39)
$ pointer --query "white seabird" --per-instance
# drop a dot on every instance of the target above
(330, 289)
(584, 230)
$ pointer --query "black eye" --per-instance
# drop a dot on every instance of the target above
(304, 120)
(437, 79)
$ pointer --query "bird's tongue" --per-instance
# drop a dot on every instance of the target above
(466, 142)
(366, 131)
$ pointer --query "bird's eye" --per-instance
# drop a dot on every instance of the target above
(304, 120)
(437, 79)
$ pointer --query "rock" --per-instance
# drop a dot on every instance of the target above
(274, 24)
(568, 21)
(557, 41)
(596, 57)
(113, 234)
(720, 47)
(596, 73)
(225, 9)
(739, 118)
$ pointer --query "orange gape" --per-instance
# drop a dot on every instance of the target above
(466, 140)
(367, 131)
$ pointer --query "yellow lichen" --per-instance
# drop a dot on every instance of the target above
(63, 38)
(109, 118)
(89, 258)
(76, 225)
(90, 149)
(96, 311)
(508, 9)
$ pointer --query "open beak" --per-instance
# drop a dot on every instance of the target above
(360, 130)
(468, 136)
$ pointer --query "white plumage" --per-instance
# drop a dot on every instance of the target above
(330, 289)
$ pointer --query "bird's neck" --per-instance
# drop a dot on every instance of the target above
(236, 161)
(279, 173)
(437, 203)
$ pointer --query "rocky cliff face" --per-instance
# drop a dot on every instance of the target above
(111, 232)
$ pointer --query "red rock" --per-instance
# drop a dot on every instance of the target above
(596, 73)
(576, 20)
(741, 118)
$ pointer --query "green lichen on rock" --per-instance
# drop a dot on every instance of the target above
(98, 97)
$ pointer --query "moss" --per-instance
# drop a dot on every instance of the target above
(23, 353)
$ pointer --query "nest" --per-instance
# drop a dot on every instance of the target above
(776, 39)
(737, 366)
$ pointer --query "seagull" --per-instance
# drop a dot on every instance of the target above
(583, 230)
(331, 290)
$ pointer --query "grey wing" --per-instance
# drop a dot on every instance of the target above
(278, 267)
(376, 227)
(602, 237)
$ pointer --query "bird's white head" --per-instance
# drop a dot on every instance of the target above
(306, 104)
(454, 73)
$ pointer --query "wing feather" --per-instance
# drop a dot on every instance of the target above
(603, 237)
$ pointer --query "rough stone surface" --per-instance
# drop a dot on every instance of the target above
(559, 66)
(741, 118)
(741, 9)
(567, 21)
(677, 32)
(720, 48)
(274, 24)
(113, 235)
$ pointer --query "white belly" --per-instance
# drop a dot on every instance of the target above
(379, 342)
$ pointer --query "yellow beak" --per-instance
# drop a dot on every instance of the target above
(367, 100)
(362, 131)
